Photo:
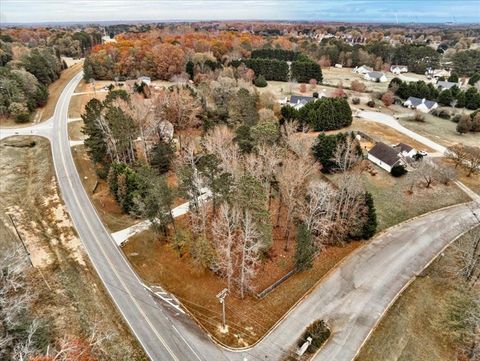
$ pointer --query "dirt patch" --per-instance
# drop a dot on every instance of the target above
(78, 102)
(72, 300)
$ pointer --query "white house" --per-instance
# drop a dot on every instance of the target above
(298, 101)
(422, 105)
(385, 156)
(375, 76)
(145, 79)
(443, 84)
(405, 150)
(398, 69)
(437, 73)
(362, 69)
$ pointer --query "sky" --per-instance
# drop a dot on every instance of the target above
(403, 11)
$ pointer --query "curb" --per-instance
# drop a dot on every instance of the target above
(410, 281)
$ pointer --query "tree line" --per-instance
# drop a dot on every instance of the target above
(322, 114)
(24, 81)
(454, 96)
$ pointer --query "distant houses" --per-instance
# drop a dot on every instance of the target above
(362, 69)
(437, 73)
(144, 79)
(398, 69)
(375, 76)
(298, 101)
(423, 105)
(443, 84)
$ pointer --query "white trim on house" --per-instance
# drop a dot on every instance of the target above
(381, 164)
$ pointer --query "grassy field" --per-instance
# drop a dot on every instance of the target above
(394, 205)
(410, 330)
(77, 301)
(442, 131)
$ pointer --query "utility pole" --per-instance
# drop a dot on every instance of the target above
(221, 298)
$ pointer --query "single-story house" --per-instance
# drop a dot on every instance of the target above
(443, 84)
(145, 79)
(398, 69)
(375, 76)
(362, 69)
(298, 101)
(422, 105)
(437, 73)
(385, 156)
(405, 150)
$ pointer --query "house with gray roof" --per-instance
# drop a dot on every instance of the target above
(385, 156)
(375, 76)
(443, 84)
(422, 105)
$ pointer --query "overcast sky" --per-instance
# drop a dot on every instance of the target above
(28, 11)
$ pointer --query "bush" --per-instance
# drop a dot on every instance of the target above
(371, 104)
(418, 117)
(319, 332)
(441, 113)
(22, 118)
(260, 82)
(356, 101)
(456, 118)
(358, 86)
(398, 171)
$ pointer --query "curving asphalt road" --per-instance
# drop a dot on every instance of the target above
(352, 297)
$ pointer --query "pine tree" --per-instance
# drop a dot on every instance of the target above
(370, 226)
(305, 248)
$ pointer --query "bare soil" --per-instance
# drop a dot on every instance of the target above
(73, 300)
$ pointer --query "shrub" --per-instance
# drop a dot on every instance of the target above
(315, 95)
(22, 118)
(356, 101)
(260, 82)
(303, 88)
(398, 170)
(441, 113)
(319, 332)
(388, 98)
(371, 104)
(418, 117)
(358, 86)
(456, 118)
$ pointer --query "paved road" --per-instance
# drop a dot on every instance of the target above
(352, 297)
(391, 122)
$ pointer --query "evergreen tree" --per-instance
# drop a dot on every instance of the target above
(370, 225)
(445, 97)
(305, 248)
(161, 157)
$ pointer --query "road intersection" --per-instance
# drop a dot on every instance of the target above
(352, 297)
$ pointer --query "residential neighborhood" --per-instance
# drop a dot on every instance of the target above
(239, 181)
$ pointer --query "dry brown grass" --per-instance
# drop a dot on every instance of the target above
(410, 329)
(77, 300)
(158, 263)
(108, 209)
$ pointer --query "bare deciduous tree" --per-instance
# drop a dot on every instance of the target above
(250, 251)
(225, 232)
